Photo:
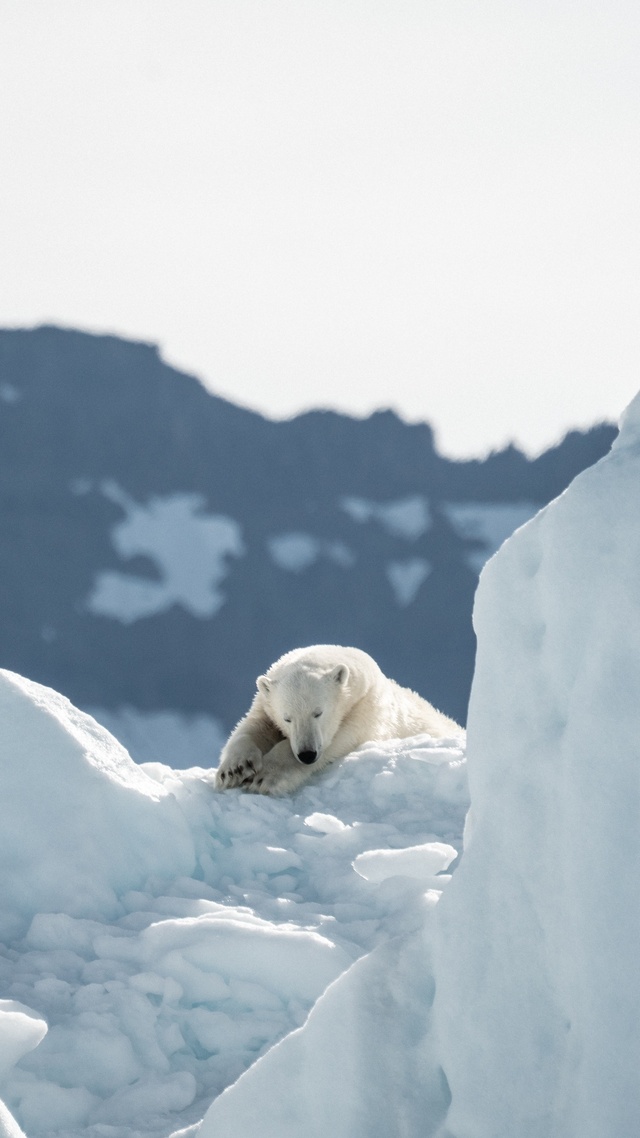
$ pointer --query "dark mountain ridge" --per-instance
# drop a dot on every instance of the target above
(161, 546)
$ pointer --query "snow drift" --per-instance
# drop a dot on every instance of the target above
(82, 823)
(538, 1003)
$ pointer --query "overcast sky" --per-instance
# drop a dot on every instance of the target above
(425, 204)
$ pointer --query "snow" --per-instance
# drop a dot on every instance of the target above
(538, 1010)
(82, 823)
(188, 548)
(421, 862)
(296, 552)
(166, 935)
(487, 525)
(167, 737)
(406, 578)
(8, 1126)
(20, 1031)
(361, 1067)
(222, 964)
(408, 518)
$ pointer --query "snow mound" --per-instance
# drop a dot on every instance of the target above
(421, 862)
(168, 936)
(81, 822)
(21, 1029)
(8, 1126)
(363, 1065)
(538, 1003)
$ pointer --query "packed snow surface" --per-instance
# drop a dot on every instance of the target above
(159, 937)
(538, 1003)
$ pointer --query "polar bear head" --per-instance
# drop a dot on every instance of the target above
(307, 701)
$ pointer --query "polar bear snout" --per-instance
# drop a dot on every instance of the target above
(307, 757)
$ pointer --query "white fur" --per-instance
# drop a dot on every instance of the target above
(324, 701)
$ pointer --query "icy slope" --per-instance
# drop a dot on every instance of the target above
(167, 936)
(364, 1064)
(82, 823)
(538, 1003)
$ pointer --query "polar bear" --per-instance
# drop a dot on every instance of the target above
(316, 705)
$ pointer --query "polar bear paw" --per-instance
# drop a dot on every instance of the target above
(276, 773)
(281, 772)
(240, 767)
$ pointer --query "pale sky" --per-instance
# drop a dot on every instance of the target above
(430, 205)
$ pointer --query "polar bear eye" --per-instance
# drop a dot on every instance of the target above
(317, 714)
(286, 719)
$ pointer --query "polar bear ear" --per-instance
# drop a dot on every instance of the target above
(339, 675)
(263, 685)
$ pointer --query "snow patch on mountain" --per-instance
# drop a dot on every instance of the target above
(407, 518)
(406, 577)
(189, 548)
(296, 552)
(487, 525)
